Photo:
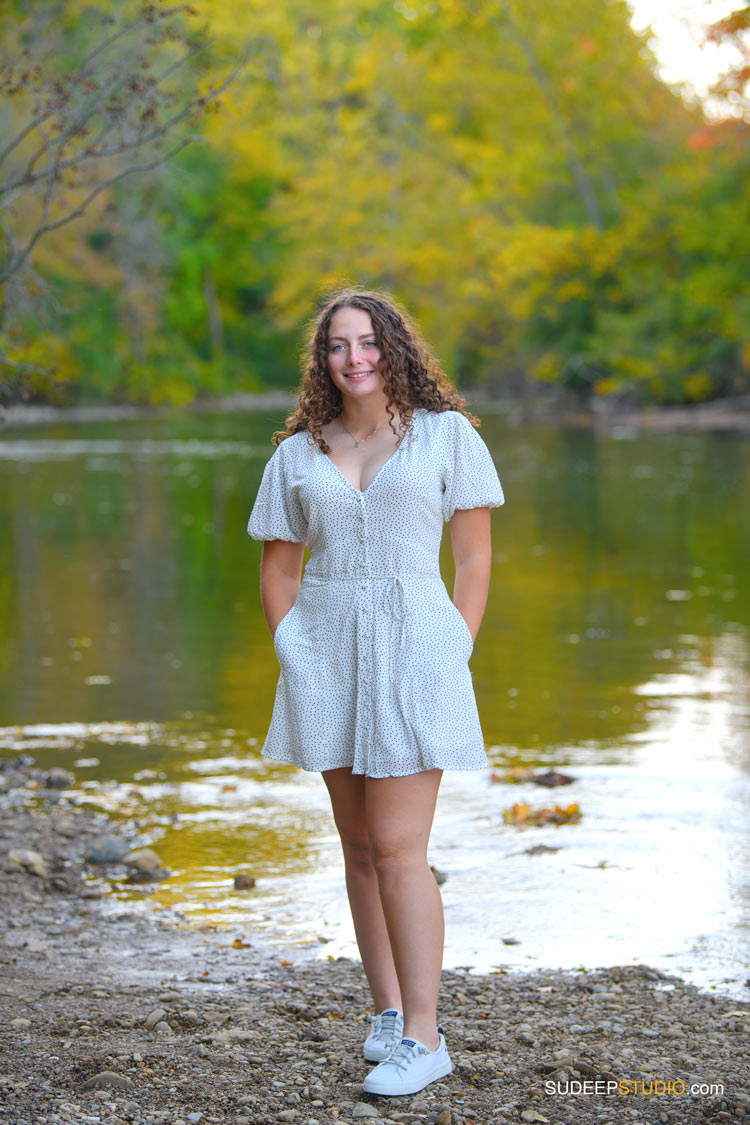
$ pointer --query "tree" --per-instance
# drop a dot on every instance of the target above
(734, 83)
(126, 102)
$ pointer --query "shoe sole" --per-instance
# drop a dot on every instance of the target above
(439, 1071)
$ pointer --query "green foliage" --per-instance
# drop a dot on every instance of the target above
(514, 172)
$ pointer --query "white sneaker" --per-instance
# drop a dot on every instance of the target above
(387, 1029)
(409, 1068)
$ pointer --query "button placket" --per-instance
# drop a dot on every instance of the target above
(367, 680)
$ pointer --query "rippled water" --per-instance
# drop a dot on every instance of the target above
(615, 647)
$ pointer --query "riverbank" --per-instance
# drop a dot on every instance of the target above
(722, 415)
(115, 1014)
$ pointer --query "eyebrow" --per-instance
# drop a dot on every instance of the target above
(364, 336)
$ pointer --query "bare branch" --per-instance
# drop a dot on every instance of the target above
(27, 131)
(126, 109)
(46, 227)
(94, 151)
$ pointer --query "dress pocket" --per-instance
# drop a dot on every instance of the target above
(463, 626)
(282, 625)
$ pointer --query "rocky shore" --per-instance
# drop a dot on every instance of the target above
(112, 1014)
(544, 405)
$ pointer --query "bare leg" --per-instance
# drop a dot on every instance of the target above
(347, 792)
(400, 812)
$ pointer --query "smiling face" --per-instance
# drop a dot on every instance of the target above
(353, 353)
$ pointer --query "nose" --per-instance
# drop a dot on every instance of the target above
(355, 356)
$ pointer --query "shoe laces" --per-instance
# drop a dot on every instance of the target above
(388, 1021)
(404, 1053)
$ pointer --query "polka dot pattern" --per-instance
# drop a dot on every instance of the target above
(373, 654)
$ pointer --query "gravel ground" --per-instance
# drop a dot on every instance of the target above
(113, 1015)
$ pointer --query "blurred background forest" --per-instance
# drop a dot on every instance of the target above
(178, 186)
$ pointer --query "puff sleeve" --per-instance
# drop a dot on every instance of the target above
(277, 512)
(471, 479)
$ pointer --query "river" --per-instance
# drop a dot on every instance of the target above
(614, 648)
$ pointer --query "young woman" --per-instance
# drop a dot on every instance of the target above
(375, 690)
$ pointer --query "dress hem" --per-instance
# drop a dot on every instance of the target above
(378, 776)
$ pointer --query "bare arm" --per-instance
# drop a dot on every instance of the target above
(472, 553)
(280, 570)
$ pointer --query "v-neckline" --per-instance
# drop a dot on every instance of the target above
(388, 460)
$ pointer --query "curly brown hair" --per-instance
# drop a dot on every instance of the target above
(411, 373)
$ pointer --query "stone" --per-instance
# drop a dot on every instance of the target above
(58, 778)
(109, 1078)
(244, 882)
(154, 1017)
(20, 1024)
(146, 866)
(444, 1117)
(233, 1035)
(362, 1109)
(106, 849)
(26, 860)
(194, 1118)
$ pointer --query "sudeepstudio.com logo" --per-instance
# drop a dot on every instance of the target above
(622, 1088)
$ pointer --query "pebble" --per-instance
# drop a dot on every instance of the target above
(444, 1117)
(244, 882)
(146, 865)
(20, 1024)
(108, 1078)
(24, 859)
(58, 778)
(106, 849)
(362, 1109)
(154, 1017)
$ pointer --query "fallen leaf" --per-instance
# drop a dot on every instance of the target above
(522, 815)
(552, 778)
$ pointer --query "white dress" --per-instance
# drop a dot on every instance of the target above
(373, 653)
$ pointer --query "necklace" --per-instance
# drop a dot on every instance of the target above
(364, 439)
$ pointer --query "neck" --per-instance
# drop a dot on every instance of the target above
(363, 417)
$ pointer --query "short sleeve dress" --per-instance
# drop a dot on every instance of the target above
(373, 654)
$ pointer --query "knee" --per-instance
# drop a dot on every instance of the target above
(392, 857)
(357, 855)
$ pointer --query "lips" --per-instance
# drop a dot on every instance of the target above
(359, 375)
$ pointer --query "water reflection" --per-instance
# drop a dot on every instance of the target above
(615, 643)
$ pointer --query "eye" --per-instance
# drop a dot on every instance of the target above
(335, 347)
(369, 344)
